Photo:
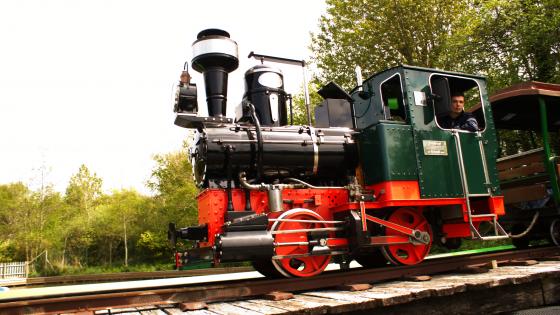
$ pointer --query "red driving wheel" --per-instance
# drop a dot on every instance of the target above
(410, 253)
(301, 264)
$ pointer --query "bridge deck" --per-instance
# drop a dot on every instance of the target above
(502, 289)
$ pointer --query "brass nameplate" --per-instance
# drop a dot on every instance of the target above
(432, 147)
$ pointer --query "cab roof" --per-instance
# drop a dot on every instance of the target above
(439, 71)
(517, 107)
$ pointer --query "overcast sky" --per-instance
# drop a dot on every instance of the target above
(91, 82)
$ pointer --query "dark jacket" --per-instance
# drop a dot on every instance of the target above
(465, 121)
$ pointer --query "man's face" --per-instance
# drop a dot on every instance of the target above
(457, 104)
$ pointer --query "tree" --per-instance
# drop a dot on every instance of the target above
(27, 223)
(117, 220)
(83, 191)
(46, 204)
(378, 34)
(15, 226)
(82, 196)
(511, 41)
(173, 183)
(174, 201)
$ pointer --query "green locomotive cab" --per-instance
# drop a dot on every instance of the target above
(406, 154)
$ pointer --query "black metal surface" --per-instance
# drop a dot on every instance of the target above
(215, 83)
(187, 98)
(357, 238)
(197, 254)
(287, 152)
(333, 90)
(245, 245)
(245, 221)
(334, 113)
(259, 94)
(276, 59)
(192, 121)
(215, 67)
(194, 233)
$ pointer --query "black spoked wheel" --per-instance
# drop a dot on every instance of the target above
(374, 259)
(452, 243)
(266, 268)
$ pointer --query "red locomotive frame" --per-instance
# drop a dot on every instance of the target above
(323, 204)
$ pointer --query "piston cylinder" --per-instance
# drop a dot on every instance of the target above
(245, 245)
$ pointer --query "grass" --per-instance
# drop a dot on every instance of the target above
(73, 270)
(471, 251)
(471, 245)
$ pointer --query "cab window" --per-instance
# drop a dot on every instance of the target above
(452, 98)
(392, 99)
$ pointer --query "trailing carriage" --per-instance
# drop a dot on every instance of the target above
(529, 179)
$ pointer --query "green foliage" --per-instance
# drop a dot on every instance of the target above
(175, 190)
(378, 34)
(14, 200)
(85, 227)
(99, 269)
(117, 221)
(22, 219)
(299, 110)
(154, 244)
(7, 250)
(82, 200)
(511, 41)
(83, 191)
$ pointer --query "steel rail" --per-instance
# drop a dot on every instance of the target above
(128, 276)
(234, 290)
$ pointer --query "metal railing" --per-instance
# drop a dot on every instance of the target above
(499, 232)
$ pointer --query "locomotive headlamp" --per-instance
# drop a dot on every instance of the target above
(264, 88)
(186, 94)
(215, 55)
(271, 79)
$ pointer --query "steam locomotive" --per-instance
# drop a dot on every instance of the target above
(375, 179)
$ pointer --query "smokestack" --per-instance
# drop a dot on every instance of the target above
(215, 56)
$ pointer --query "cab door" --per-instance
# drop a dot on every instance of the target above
(441, 153)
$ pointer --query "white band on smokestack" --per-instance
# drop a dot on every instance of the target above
(216, 45)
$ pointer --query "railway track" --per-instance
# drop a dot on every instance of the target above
(233, 290)
(127, 276)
